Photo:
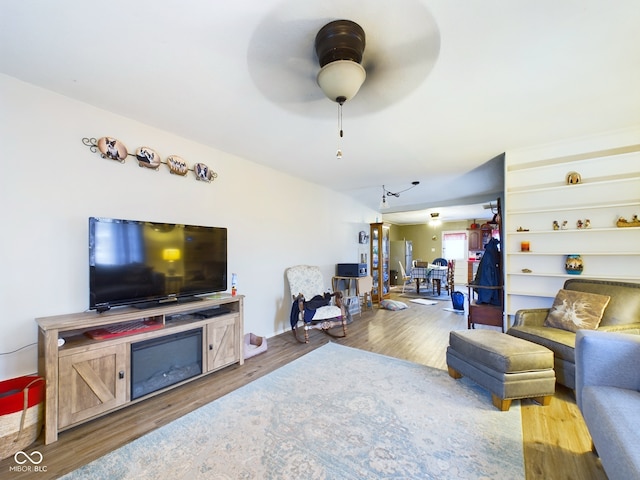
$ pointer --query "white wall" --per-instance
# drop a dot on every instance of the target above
(51, 183)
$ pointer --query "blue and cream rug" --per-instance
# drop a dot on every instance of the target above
(335, 413)
(428, 294)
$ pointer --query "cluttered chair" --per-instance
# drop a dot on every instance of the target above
(313, 307)
(406, 279)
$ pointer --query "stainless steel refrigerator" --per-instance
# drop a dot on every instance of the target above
(401, 251)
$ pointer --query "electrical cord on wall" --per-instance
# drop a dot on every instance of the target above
(17, 350)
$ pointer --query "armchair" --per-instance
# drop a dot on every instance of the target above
(607, 393)
(312, 308)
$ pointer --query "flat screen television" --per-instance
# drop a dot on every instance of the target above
(144, 264)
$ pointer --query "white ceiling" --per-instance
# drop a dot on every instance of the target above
(481, 212)
(451, 84)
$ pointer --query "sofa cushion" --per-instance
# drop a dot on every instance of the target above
(573, 310)
(624, 307)
(613, 416)
(502, 353)
(561, 342)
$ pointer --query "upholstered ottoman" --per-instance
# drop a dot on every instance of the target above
(509, 367)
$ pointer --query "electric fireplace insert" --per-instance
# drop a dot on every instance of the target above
(161, 362)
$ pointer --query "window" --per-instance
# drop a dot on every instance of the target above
(454, 245)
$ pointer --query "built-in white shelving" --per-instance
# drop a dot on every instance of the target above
(537, 194)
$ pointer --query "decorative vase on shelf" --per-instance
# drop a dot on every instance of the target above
(573, 264)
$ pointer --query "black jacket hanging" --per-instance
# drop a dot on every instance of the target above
(488, 274)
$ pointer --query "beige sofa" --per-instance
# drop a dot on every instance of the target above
(622, 314)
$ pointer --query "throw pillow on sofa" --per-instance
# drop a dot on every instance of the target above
(573, 310)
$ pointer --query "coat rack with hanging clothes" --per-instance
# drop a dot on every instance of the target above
(486, 292)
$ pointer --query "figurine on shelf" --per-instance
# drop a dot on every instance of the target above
(556, 225)
(587, 223)
(573, 178)
(579, 224)
(520, 229)
(564, 225)
(623, 222)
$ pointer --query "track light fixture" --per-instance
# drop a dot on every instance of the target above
(385, 193)
(383, 204)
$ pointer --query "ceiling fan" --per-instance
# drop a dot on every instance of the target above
(402, 46)
(339, 46)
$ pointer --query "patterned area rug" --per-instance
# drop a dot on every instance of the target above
(444, 296)
(335, 413)
(422, 301)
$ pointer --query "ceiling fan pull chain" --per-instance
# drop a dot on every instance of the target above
(339, 152)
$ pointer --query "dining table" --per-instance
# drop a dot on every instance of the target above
(435, 274)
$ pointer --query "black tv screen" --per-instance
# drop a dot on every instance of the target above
(144, 263)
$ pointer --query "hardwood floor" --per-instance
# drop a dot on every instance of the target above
(556, 442)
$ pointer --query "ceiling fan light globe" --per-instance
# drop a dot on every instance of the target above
(342, 78)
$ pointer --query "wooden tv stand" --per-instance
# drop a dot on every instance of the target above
(87, 378)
